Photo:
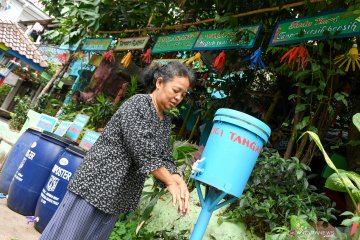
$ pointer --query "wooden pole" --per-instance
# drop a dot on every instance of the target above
(49, 83)
(184, 25)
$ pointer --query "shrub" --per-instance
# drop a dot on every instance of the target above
(19, 116)
(4, 90)
(277, 189)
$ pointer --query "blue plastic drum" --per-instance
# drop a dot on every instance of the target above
(56, 186)
(33, 172)
(16, 155)
(231, 151)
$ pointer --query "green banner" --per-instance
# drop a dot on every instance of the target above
(330, 25)
(135, 43)
(175, 42)
(96, 44)
(243, 37)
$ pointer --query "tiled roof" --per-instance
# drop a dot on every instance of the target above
(12, 36)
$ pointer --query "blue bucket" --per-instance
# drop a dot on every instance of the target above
(33, 172)
(231, 151)
(15, 157)
(56, 186)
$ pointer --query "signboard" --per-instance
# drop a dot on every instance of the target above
(166, 60)
(70, 47)
(96, 44)
(175, 42)
(46, 122)
(95, 60)
(77, 126)
(243, 37)
(89, 139)
(50, 53)
(330, 25)
(62, 128)
(135, 43)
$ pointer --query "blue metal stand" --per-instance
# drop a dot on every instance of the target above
(209, 204)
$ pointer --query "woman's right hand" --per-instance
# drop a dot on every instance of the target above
(175, 191)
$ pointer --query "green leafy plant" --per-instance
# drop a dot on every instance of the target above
(100, 112)
(69, 111)
(132, 227)
(4, 90)
(19, 116)
(47, 105)
(341, 180)
(133, 87)
(277, 189)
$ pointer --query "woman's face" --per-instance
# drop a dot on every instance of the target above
(171, 93)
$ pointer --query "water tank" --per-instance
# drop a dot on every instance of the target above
(33, 172)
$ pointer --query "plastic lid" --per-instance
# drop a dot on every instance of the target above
(76, 150)
(33, 129)
(244, 120)
(54, 136)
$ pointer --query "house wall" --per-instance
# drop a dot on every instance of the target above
(21, 10)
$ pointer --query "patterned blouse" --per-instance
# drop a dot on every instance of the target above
(134, 143)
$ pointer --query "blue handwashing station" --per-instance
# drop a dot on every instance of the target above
(228, 159)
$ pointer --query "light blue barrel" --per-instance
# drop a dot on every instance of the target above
(33, 172)
(56, 185)
(231, 151)
(16, 155)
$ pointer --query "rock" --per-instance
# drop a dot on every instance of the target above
(165, 217)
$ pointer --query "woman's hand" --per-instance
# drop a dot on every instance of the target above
(172, 186)
(174, 190)
(176, 186)
(184, 194)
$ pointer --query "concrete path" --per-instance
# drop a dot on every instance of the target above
(13, 226)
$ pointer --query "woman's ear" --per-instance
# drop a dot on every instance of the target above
(159, 82)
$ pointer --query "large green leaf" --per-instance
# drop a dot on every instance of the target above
(350, 179)
(334, 182)
(356, 120)
(317, 141)
(301, 229)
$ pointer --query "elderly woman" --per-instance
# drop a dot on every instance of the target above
(135, 142)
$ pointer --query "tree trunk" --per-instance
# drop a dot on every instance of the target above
(272, 106)
(293, 137)
(48, 85)
(353, 152)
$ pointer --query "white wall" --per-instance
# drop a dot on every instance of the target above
(22, 10)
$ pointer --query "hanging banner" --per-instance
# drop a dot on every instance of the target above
(330, 25)
(243, 37)
(135, 43)
(89, 139)
(175, 42)
(62, 128)
(77, 126)
(46, 122)
(96, 44)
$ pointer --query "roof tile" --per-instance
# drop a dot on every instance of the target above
(12, 36)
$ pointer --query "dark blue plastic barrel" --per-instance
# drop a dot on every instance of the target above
(56, 186)
(33, 172)
(16, 155)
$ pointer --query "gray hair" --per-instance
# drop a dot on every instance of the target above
(167, 72)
